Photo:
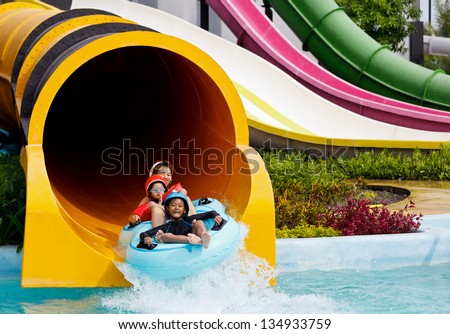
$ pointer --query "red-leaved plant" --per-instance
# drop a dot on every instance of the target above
(358, 218)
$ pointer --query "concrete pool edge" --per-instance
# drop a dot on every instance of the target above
(429, 246)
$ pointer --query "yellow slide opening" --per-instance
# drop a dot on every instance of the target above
(98, 99)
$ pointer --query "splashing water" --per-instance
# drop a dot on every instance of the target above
(241, 284)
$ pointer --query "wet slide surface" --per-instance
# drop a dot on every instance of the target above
(258, 34)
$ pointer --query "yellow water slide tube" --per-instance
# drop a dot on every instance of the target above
(97, 99)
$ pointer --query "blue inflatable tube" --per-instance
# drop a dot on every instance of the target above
(200, 204)
(172, 260)
(128, 232)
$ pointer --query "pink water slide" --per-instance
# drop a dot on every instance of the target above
(257, 33)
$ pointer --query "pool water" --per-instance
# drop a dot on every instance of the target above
(407, 290)
(234, 288)
(15, 300)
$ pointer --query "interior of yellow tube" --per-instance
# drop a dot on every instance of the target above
(118, 114)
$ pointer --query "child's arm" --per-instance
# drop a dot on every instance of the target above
(152, 205)
(143, 212)
(220, 222)
(202, 216)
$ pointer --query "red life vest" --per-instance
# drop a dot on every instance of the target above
(143, 210)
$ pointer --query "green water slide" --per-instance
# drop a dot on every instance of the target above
(347, 51)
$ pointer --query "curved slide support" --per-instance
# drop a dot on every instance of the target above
(347, 51)
(258, 34)
(99, 98)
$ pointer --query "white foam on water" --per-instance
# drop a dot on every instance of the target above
(241, 284)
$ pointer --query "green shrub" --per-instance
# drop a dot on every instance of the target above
(304, 187)
(387, 165)
(12, 199)
(306, 231)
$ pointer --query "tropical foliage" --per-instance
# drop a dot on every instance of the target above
(389, 22)
(12, 201)
(429, 165)
(317, 197)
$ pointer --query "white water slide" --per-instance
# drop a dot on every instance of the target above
(277, 106)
